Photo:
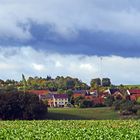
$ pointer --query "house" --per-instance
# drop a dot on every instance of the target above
(119, 95)
(60, 100)
(95, 100)
(79, 93)
(55, 100)
(134, 94)
(92, 97)
(116, 93)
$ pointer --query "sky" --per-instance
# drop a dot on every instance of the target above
(69, 38)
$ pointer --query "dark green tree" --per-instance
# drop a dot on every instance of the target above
(95, 82)
(21, 106)
(106, 82)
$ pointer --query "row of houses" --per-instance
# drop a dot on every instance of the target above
(61, 100)
(132, 94)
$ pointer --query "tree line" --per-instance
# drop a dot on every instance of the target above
(59, 84)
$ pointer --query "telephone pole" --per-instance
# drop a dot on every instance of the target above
(101, 74)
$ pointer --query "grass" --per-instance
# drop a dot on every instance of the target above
(103, 113)
(70, 130)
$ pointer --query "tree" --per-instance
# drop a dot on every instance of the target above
(106, 82)
(78, 100)
(1, 82)
(60, 91)
(24, 82)
(70, 93)
(86, 103)
(52, 86)
(49, 78)
(109, 100)
(95, 82)
(70, 84)
(138, 101)
(21, 106)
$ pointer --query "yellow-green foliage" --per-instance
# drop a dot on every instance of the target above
(70, 130)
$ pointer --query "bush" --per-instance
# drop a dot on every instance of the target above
(78, 100)
(138, 113)
(138, 101)
(109, 101)
(128, 107)
(117, 104)
(99, 105)
(22, 106)
(82, 106)
(86, 103)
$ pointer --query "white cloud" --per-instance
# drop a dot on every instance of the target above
(87, 67)
(4, 66)
(15, 61)
(38, 67)
(66, 17)
(58, 64)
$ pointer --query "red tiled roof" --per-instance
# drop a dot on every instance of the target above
(39, 92)
(134, 91)
(89, 97)
(75, 95)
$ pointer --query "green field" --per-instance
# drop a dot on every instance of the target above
(131, 86)
(70, 130)
(103, 113)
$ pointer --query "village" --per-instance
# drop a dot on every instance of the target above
(70, 93)
(61, 100)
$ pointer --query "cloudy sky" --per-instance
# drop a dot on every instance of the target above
(59, 37)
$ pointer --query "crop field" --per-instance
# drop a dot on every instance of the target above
(70, 130)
